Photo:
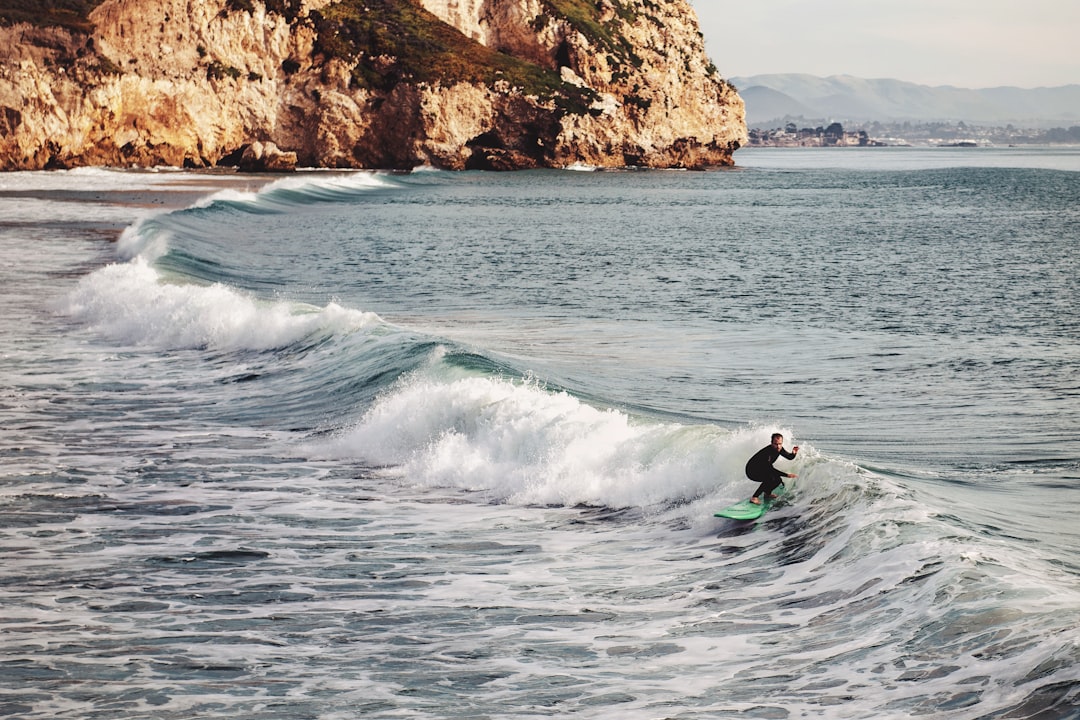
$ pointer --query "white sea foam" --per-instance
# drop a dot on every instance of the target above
(129, 302)
(524, 444)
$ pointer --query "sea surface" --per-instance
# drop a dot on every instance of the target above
(448, 445)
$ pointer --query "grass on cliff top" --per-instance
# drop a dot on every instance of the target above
(70, 14)
(583, 15)
(397, 41)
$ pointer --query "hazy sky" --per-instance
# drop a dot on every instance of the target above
(965, 43)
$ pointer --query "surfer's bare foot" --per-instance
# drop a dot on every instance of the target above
(756, 501)
(773, 497)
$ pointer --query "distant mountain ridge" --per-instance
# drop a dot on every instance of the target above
(772, 100)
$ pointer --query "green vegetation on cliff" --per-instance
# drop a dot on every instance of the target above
(70, 14)
(288, 9)
(386, 42)
(583, 15)
(395, 41)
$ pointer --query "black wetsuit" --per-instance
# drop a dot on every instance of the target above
(760, 469)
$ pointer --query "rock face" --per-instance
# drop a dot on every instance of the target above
(488, 84)
(268, 157)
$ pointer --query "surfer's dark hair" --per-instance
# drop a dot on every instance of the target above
(777, 435)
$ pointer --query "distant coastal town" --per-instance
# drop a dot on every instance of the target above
(899, 134)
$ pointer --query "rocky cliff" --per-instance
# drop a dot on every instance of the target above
(491, 84)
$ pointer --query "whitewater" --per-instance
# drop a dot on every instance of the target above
(449, 445)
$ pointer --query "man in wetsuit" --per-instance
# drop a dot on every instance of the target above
(760, 467)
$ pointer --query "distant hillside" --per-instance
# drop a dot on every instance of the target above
(771, 100)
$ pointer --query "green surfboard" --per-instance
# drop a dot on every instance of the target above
(747, 510)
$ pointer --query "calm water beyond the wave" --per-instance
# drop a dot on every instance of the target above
(359, 445)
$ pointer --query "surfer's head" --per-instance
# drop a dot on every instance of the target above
(777, 440)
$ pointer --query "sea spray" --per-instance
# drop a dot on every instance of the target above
(522, 443)
(130, 303)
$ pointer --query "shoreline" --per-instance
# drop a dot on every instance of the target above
(232, 176)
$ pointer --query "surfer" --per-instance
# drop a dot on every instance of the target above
(760, 467)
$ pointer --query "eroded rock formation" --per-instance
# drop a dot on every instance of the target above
(493, 84)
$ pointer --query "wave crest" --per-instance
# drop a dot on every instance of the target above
(523, 444)
(130, 303)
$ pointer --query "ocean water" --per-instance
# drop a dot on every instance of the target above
(435, 445)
